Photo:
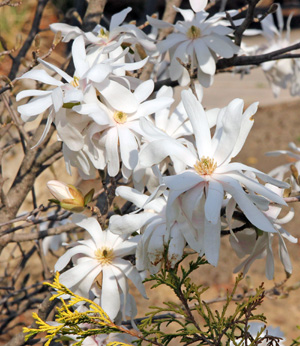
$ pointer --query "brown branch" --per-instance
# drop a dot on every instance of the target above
(246, 23)
(255, 59)
(93, 14)
(44, 310)
(22, 237)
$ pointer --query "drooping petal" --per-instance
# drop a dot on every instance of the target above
(128, 147)
(213, 203)
(131, 272)
(253, 214)
(110, 296)
(112, 152)
(212, 238)
(204, 57)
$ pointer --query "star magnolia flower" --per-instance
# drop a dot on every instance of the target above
(257, 246)
(107, 40)
(292, 169)
(200, 190)
(115, 134)
(284, 73)
(66, 95)
(103, 253)
(198, 41)
(155, 233)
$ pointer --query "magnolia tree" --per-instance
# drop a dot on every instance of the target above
(111, 114)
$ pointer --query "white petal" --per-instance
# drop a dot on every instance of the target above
(125, 102)
(54, 68)
(253, 214)
(29, 93)
(212, 237)
(132, 195)
(204, 57)
(72, 276)
(46, 129)
(199, 123)
(222, 45)
(41, 76)
(128, 147)
(156, 151)
(128, 224)
(183, 181)
(144, 90)
(198, 5)
(110, 296)
(214, 200)
(79, 56)
(118, 18)
(66, 257)
(91, 225)
(112, 152)
(131, 272)
(231, 121)
(98, 72)
(35, 106)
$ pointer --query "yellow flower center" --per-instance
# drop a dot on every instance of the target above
(104, 255)
(193, 32)
(120, 117)
(205, 166)
(103, 33)
(75, 82)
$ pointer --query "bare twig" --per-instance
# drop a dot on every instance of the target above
(255, 59)
(27, 44)
(246, 23)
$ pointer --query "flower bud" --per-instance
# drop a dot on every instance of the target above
(67, 196)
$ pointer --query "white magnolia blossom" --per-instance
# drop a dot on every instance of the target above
(198, 192)
(76, 90)
(107, 40)
(289, 171)
(155, 235)
(115, 134)
(257, 246)
(102, 253)
(282, 73)
(197, 40)
(173, 125)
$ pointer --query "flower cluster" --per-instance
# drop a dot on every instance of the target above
(177, 158)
